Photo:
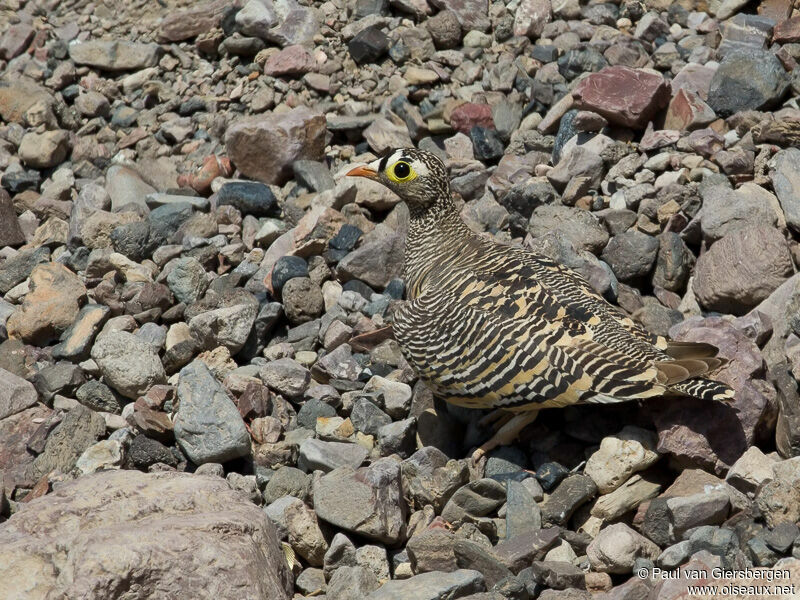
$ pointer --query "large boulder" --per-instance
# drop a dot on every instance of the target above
(128, 534)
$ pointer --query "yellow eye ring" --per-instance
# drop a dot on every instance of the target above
(400, 171)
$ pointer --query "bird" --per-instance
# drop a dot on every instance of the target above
(488, 325)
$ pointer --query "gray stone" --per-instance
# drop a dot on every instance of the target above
(785, 175)
(742, 269)
(580, 226)
(129, 365)
(117, 55)
(431, 586)
(287, 481)
(351, 582)
(631, 255)
(80, 429)
(367, 501)
(17, 268)
(208, 427)
(317, 455)
(751, 80)
(517, 553)
(43, 150)
(367, 417)
(430, 478)
(16, 394)
(229, 326)
(476, 499)
(187, 280)
(522, 512)
(286, 376)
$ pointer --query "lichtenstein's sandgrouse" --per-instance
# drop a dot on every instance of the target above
(487, 325)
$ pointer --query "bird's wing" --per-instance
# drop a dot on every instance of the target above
(488, 341)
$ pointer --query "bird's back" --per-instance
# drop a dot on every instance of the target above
(489, 325)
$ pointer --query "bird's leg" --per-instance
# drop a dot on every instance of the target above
(506, 434)
(496, 419)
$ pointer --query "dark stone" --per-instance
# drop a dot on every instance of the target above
(571, 493)
(18, 268)
(656, 525)
(550, 475)
(166, 220)
(751, 80)
(124, 116)
(61, 378)
(487, 144)
(518, 553)
(308, 413)
(544, 53)
(580, 60)
(132, 240)
(566, 131)
(358, 286)
(782, 536)
(191, 106)
(367, 417)
(631, 255)
(99, 397)
(395, 289)
(286, 268)
(558, 575)
(346, 238)
(368, 45)
(19, 181)
(249, 197)
(10, 232)
(145, 452)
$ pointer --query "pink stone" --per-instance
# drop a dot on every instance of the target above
(694, 78)
(531, 17)
(292, 60)
(625, 96)
(688, 111)
(15, 40)
(466, 116)
(787, 32)
(186, 24)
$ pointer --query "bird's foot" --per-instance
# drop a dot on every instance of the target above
(506, 434)
(496, 419)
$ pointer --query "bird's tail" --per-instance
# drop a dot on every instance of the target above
(705, 389)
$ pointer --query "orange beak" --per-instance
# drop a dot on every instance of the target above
(364, 171)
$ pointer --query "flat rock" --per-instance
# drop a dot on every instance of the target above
(51, 305)
(624, 96)
(367, 501)
(16, 394)
(208, 426)
(785, 175)
(431, 586)
(78, 541)
(10, 231)
(264, 147)
(229, 326)
(117, 55)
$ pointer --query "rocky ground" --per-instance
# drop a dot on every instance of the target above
(198, 394)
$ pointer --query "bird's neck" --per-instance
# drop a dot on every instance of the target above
(436, 238)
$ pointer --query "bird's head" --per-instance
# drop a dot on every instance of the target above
(418, 177)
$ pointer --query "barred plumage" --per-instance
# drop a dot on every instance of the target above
(494, 326)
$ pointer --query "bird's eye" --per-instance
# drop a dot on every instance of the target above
(401, 171)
